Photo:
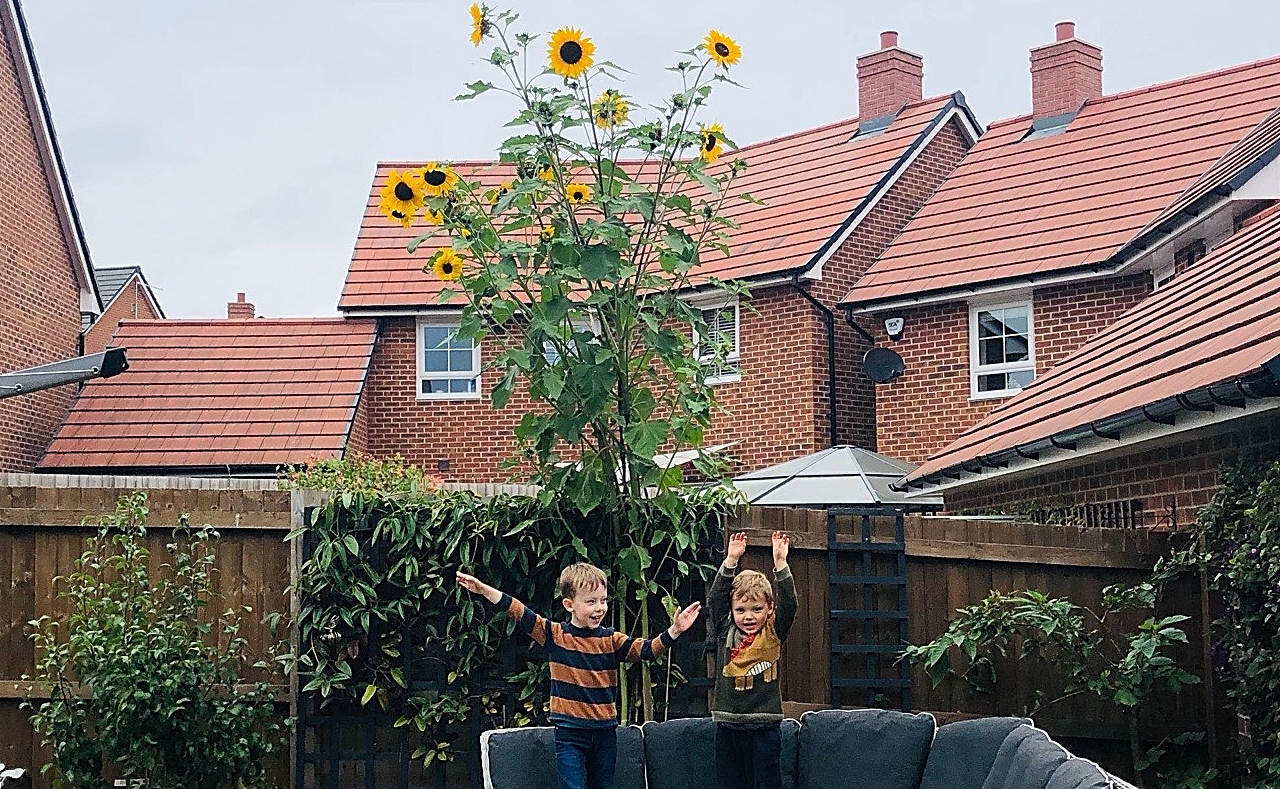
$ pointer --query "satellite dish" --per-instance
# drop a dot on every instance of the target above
(882, 365)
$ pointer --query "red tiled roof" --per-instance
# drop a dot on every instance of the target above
(1018, 207)
(217, 393)
(1214, 323)
(811, 182)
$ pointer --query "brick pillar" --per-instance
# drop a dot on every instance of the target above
(239, 308)
(1064, 74)
(888, 79)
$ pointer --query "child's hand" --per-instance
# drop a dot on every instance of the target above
(476, 586)
(781, 547)
(737, 547)
(684, 619)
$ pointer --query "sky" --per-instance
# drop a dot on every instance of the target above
(229, 145)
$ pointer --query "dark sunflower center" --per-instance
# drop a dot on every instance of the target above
(722, 49)
(577, 194)
(398, 214)
(571, 52)
(404, 192)
(434, 177)
(446, 267)
(709, 142)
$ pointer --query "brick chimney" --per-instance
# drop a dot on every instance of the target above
(1064, 74)
(239, 308)
(888, 79)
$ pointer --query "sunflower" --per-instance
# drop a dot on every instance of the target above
(710, 142)
(481, 25)
(610, 109)
(500, 192)
(403, 192)
(396, 214)
(438, 179)
(433, 217)
(722, 49)
(577, 193)
(548, 233)
(547, 173)
(570, 52)
(447, 264)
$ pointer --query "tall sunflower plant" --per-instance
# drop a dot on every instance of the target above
(578, 264)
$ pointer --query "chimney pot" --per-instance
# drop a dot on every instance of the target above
(240, 297)
(1065, 30)
(889, 39)
(240, 309)
(888, 79)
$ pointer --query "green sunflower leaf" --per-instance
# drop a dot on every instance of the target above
(475, 88)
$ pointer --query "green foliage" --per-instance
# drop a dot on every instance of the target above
(1093, 654)
(381, 616)
(1240, 549)
(140, 676)
(358, 472)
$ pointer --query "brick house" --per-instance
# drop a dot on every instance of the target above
(127, 296)
(46, 282)
(1131, 428)
(1056, 224)
(835, 197)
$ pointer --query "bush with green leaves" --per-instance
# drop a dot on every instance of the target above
(143, 679)
(1094, 654)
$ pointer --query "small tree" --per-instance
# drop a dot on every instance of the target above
(1090, 649)
(576, 268)
(139, 677)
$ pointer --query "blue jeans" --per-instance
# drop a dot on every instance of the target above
(585, 758)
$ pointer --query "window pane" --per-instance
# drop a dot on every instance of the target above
(460, 361)
(989, 324)
(462, 385)
(991, 383)
(1015, 349)
(1015, 320)
(990, 351)
(550, 353)
(436, 361)
(1021, 378)
(436, 336)
(435, 386)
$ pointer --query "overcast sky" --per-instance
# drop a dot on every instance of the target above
(229, 145)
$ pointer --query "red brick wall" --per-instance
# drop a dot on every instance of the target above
(929, 406)
(39, 297)
(130, 303)
(1182, 474)
(358, 438)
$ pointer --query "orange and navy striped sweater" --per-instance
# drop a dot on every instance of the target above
(584, 664)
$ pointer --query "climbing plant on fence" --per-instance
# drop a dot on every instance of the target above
(380, 611)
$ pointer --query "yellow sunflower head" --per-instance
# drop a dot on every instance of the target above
(403, 191)
(437, 179)
(395, 213)
(710, 142)
(722, 49)
(433, 217)
(577, 193)
(481, 25)
(548, 233)
(610, 109)
(447, 265)
(500, 192)
(570, 52)
(547, 173)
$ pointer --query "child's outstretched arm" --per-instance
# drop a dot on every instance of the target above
(722, 586)
(475, 586)
(526, 620)
(633, 649)
(785, 584)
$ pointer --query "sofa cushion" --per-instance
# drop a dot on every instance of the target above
(525, 758)
(963, 752)
(681, 754)
(1076, 773)
(1026, 760)
(867, 749)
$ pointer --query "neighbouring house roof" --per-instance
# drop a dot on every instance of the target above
(218, 394)
(1204, 348)
(815, 185)
(1129, 168)
(111, 281)
(13, 29)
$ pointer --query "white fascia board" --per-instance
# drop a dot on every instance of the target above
(1094, 448)
(815, 271)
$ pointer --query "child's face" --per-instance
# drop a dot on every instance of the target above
(750, 613)
(588, 607)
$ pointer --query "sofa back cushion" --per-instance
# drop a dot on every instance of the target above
(1026, 760)
(1076, 773)
(963, 752)
(525, 758)
(681, 754)
(863, 749)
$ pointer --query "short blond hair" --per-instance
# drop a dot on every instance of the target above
(580, 577)
(752, 585)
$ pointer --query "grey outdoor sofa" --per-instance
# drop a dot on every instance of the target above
(831, 749)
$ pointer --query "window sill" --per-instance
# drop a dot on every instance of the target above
(450, 396)
(977, 397)
(724, 379)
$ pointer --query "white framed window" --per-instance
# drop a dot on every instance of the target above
(585, 324)
(718, 346)
(1161, 276)
(1001, 349)
(448, 367)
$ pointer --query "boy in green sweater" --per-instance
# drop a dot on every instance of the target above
(748, 631)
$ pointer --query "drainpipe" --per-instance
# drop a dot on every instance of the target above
(830, 321)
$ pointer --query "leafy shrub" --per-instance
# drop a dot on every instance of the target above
(140, 676)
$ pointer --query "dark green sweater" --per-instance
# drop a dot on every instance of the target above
(748, 688)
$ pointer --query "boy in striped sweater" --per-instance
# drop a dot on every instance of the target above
(584, 658)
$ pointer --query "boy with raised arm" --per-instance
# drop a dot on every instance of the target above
(584, 658)
(748, 629)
